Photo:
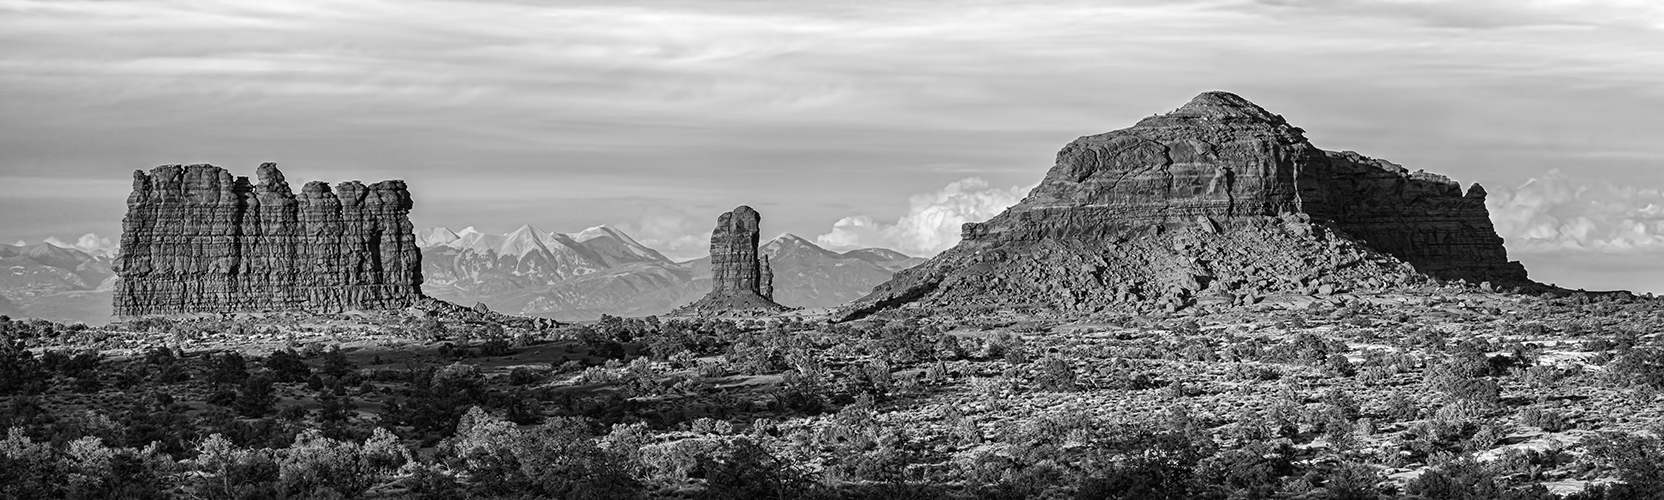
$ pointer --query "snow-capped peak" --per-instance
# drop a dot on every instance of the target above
(470, 238)
(522, 241)
(436, 237)
(635, 250)
(603, 230)
(791, 238)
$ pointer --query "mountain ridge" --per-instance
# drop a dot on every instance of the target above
(604, 270)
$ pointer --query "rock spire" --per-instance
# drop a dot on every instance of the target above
(740, 278)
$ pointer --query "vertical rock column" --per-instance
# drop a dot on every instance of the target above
(734, 267)
(740, 277)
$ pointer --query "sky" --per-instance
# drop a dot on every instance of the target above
(861, 123)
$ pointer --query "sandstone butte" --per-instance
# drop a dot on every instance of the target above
(741, 280)
(1218, 202)
(198, 240)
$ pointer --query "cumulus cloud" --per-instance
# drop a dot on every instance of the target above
(89, 243)
(932, 221)
(1555, 212)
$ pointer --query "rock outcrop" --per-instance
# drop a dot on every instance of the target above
(1219, 200)
(738, 276)
(196, 239)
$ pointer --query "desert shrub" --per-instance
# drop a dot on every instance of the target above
(994, 347)
(316, 466)
(1637, 460)
(1462, 378)
(557, 459)
(1249, 371)
(1338, 366)
(1546, 376)
(1466, 479)
(1307, 348)
(878, 454)
(1252, 472)
(1641, 366)
(437, 398)
(742, 469)
(640, 378)
(223, 470)
(908, 341)
(1054, 374)
(336, 363)
(83, 468)
(64, 364)
(1348, 481)
(676, 462)
(255, 396)
(28, 469)
(286, 366)
(227, 369)
(949, 348)
(98, 471)
(1547, 420)
(521, 375)
(759, 353)
(1400, 407)
(20, 372)
(1139, 478)
(799, 397)
(1374, 375)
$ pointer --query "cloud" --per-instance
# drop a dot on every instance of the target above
(90, 243)
(1485, 14)
(933, 220)
(1556, 213)
(673, 232)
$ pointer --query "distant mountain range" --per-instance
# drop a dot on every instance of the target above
(577, 276)
(602, 270)
(56, 282)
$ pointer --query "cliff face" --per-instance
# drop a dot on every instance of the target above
(197, 239)
(740, 280)
(1422, 218)
(1218, 200)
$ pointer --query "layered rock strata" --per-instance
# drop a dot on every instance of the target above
(1219, 200)
(196, 239)
(740, 277)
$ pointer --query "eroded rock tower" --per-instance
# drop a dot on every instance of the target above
(740, 277)
(196, 239)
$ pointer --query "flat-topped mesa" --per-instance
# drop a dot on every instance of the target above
(198, 240)
(1219, 196)
(740, 277)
